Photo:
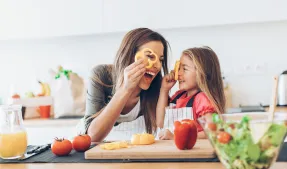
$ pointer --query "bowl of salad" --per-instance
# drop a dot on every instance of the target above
(246, 143)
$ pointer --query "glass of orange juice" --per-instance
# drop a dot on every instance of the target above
(13, 136)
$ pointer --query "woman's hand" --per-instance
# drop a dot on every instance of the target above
(165, 135)
(168, 81)
(133, 74)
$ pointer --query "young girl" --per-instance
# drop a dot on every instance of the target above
(200, 85)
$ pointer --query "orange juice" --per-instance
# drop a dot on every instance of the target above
(13, 145)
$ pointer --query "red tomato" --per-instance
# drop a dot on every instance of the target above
(82, 142)
(212, 126)
(61, 147)
(232, 126)
(88, 137)
(224, 137)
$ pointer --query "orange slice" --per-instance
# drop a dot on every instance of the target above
(176, 69)
(114, 145)
(141, 54)
(142, 139)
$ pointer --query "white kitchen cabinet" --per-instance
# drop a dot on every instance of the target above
(38, 19)
(46, 135)
(42, 19)
(43, 131)
(124, 15)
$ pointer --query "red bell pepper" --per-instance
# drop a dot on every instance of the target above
(185, 134)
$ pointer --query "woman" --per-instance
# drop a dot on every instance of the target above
(126, 90)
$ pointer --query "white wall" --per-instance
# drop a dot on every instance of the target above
(35, 19)
(241, 48)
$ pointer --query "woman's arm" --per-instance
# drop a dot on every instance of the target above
(100, 126)
(104, 122)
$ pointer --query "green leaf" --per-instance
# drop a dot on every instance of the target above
(232, 150)
(216, 118)
(276, 133)
(243, 156)
(253, 152)
(240, 134)
(245, 119)
(263, 157)
(64, 72)
(57, 76)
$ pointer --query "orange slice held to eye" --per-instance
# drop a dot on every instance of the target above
(176, 69)
(149, 61)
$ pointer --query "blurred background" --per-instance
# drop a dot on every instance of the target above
(249, 37)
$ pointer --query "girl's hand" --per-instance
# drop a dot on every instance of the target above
(165, 135)
(168, 81)
(133, 74)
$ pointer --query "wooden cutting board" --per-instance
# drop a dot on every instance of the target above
(164, 149)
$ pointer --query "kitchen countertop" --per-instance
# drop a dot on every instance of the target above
(278, 109)
(281, 165)
(73, 122)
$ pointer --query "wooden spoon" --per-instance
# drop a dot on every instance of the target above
(273, 99)
(260, 129)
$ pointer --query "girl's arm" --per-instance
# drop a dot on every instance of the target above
(201, 135)
(160, 108)
(167, 83)
(208, 117)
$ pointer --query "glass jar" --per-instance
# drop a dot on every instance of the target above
(13, 136)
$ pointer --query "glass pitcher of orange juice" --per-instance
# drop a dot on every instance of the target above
(13, 136)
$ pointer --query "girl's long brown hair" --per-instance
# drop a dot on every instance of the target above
(208, 75)
(125, 56)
